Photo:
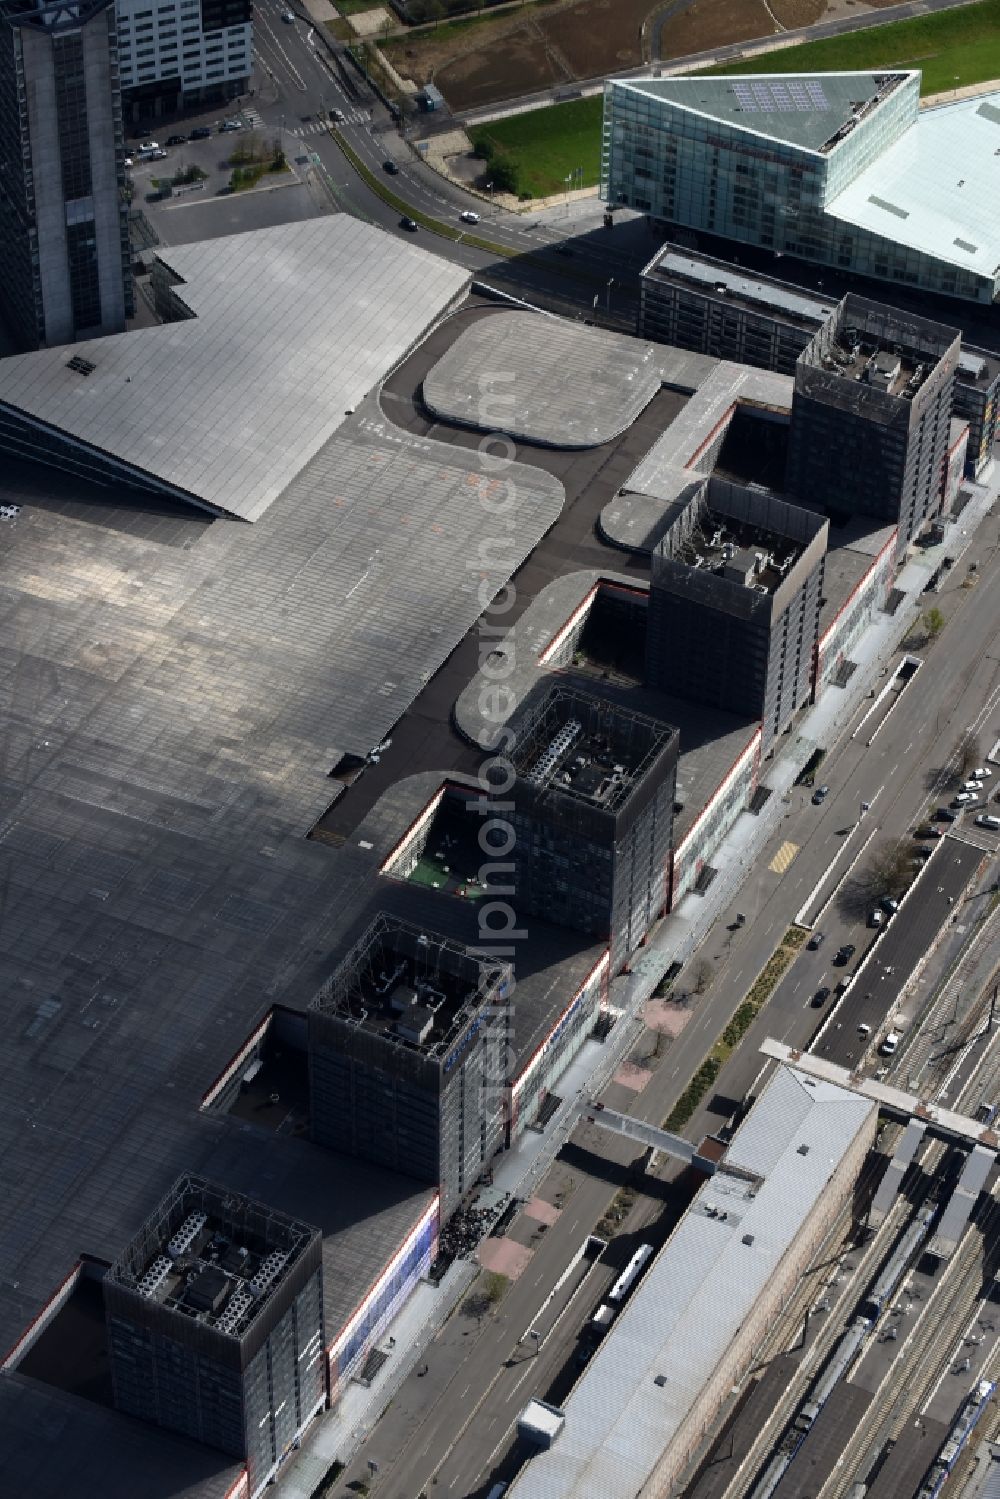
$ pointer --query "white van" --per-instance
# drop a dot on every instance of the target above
(986, 820)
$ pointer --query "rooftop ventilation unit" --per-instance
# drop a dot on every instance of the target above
(549, 759)
(186, 1234)
(271, 1267)
(240, 1303)
(154, 1276)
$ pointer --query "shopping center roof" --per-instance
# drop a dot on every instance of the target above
(937, 188)
(291, 327)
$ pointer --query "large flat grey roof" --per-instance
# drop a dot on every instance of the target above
(699, 1292)
(800, 109)
(292, 327)
(741, 286)
(543, 379)
(937, 188)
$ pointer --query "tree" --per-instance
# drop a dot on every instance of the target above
(489, 1291)
(969, 752)
(701, 976)
(887, 873)
(933, 623)
(504, 174)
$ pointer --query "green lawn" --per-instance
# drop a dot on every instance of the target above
(959, 44)
(963, 45)
(548, 144)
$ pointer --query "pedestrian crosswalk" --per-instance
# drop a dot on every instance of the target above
(354, 115)
(786, 853)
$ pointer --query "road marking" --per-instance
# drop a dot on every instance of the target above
(786, 853)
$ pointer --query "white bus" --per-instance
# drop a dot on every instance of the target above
(630, 1274)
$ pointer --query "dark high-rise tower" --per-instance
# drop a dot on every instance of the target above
(407, 1060)
(64, 256)
(215, 1324)
(592, 822)
(734, 603)
(871, 413)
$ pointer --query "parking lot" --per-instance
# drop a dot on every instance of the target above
(208, 208)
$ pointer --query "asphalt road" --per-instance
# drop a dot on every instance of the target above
(464, 1438)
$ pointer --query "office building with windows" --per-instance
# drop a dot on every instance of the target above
(871, 414)
(215, 1324)
(182, 53)
(592, 818)
(407, 1059)
(841, 169)
(64, 256)
(698, 302)
(734, 603)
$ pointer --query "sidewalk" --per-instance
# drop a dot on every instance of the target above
(338, 1434)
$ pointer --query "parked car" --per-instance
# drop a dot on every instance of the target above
(981, 773)
(889, 1043)
(844, 984)
(229, 125)
(408, 223)
(288, 17)
(944, 814)
(816, 940)
(971, 785)
(176, 140)
(876, 917)
(844, 954)
(820, 795)
(129, 162)
(390, 167)
(961, 797)
(200, 133)
(469, 216)
(146, 146)
(889, 905)
(922, 855)
(821, 996)
(986, 820)
(986, 1113)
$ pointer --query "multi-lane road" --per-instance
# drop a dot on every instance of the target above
(456, 1423)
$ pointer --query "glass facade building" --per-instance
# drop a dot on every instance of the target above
(770, 161)
(64, 249)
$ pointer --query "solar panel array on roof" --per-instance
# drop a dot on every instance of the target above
(777, 96)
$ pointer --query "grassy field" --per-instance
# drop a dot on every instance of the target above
(547, 145)
(952, 48)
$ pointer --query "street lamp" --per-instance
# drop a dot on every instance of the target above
(611, 282)
(489, 187)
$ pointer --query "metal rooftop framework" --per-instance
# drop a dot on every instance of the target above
(588, 750)
(738, 548)
(416, 989)
(739, 551)
(211, 1256)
